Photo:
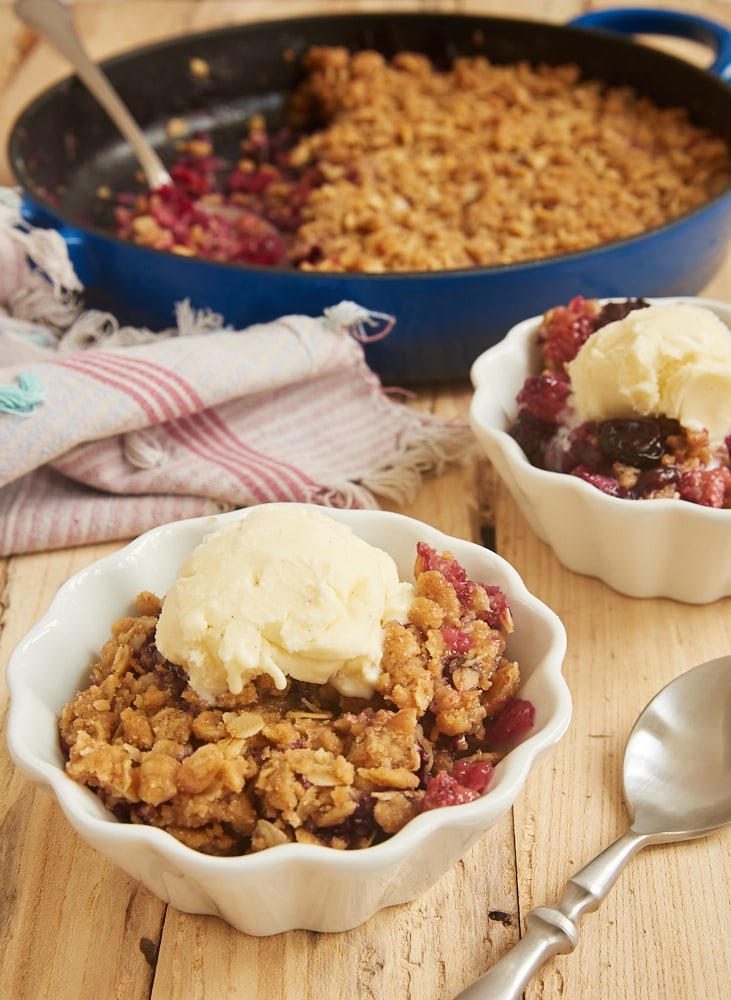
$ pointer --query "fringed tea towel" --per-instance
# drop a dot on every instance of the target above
(106, 432)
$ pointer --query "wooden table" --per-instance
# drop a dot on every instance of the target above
(74, 926)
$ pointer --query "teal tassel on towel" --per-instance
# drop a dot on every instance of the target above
(24, 397)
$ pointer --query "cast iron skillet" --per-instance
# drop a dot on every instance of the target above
(63, 147)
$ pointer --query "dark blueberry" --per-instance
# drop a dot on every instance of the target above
(614, 311)
(359, 825)
(122, 811)
(533, 436)
(638, 442)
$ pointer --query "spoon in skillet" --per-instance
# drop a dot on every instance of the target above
(677, 785)
(54, 21)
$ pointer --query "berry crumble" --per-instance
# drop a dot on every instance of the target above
(642, 457)
(305, 764)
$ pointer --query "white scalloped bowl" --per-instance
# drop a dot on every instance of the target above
(292, 885)
(650, 548)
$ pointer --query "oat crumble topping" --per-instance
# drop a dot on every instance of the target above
(403, 167)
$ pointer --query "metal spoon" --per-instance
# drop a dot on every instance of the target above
(54, 21)
(677, 785)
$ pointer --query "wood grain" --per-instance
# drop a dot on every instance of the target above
(74, 926)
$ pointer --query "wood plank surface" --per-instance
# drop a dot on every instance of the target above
(74, 926)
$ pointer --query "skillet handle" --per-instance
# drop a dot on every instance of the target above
(648, 21)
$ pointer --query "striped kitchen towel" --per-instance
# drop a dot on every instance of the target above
(103, 443)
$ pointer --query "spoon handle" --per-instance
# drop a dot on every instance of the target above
(54, 21)
(553, 930)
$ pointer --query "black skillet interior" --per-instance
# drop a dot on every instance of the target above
(64, 147)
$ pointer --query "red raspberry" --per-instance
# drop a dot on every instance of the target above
(607, 484)
(468, 591)
(444, 790)
(709, 487)
(456, 640)
(515, 719)
(473, 774)
(565, 328)
(544, 396)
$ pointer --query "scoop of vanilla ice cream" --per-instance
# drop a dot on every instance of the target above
(285, 591)
(672, 360)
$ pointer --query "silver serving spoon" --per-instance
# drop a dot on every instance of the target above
(677, 784)
(54, 21)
